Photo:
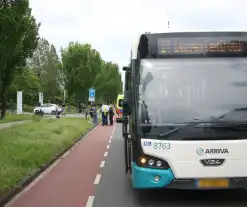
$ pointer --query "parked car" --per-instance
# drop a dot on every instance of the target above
(47, 108)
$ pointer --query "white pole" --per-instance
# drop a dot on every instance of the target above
(41, 98)
(19, 102)
(64, 93)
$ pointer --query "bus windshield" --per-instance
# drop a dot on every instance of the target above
(179, 91)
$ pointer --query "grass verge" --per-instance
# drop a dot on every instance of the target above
(26, 147)
(16, 117)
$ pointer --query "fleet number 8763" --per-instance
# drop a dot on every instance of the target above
(161, 145)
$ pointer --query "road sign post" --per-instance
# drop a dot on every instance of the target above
(91, 95)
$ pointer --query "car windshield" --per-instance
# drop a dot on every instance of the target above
(179, 91)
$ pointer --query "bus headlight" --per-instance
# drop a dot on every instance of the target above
(158, 163)
(143, 160)
(152, 162)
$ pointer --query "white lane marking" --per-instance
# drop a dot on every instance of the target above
(102, 164)
(90, 201)
(97, 179)
(108, 146)
(111, 137)
(106, 153)
(109, 141)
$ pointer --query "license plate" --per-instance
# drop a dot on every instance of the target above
(213, 183)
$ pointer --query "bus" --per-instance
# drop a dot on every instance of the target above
(119, 108)
(185, 111)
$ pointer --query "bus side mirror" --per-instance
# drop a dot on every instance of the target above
(126, 68)
(126, 108)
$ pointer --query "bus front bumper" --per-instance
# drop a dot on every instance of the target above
(147, 178)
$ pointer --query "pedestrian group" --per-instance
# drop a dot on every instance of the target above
(107, 113)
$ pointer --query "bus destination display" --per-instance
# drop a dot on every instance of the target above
(172, 46)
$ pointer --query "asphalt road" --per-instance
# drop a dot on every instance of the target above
(92, 175)
(115, 189)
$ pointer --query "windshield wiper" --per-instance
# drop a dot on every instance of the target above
(209, 125)
(240, 109)
(165, 134)
(229, 126)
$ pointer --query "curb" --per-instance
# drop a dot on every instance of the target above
(5, 198)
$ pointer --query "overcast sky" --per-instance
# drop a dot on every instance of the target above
(110, 26)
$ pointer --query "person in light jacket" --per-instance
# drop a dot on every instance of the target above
(104, 111)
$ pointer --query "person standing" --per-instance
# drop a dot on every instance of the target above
(111, 114)
(86, 112)
(91, 113)
(95, 115)
(79, 108)
(104, 111)
(107, 114)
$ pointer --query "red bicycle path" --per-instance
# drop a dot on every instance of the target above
(70, 182)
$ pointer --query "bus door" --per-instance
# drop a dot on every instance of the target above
(125, 125)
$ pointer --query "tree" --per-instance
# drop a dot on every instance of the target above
(81, 64)
(83, 68)
(39, 60)
(46, 65)
(18, 40)
(27, 82)
(108, 82)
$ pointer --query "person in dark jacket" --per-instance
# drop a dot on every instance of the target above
(94, 115)
(111, 114)
(91, 112)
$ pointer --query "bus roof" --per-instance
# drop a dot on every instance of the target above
(148, 41)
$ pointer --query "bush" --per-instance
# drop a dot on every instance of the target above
(27, 108)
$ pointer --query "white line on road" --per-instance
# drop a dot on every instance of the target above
(90, 201)
(109, 141)
(102, 164)
(108, 146)
(106, 153)
(111, 137)
(97, 179)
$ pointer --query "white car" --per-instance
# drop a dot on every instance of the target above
(47, 108)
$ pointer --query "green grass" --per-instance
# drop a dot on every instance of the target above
(72, 110)
(28, 146)
(12, 117)
(27, 108)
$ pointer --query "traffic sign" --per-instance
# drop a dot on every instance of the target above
(91, 94)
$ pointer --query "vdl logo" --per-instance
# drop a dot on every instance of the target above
(201, 151)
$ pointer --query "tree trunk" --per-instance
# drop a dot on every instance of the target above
(3, 103)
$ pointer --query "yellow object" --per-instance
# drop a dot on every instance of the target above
(143, 160)
(213, 183)
(119, 107)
